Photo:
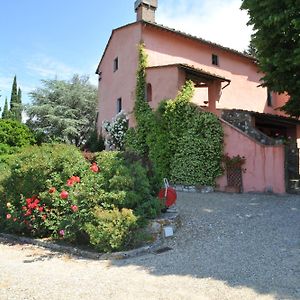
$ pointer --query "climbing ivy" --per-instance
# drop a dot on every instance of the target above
(136, 138)
(184, 143)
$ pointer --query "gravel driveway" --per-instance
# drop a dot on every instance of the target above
(229, 247)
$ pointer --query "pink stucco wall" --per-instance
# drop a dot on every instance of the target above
(264, 164)
(121, 83)
(165, 48)
(165, 83)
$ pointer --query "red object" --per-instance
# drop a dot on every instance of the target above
(94, 167)
(52, 190)
(74, 208)
(64, 195)
(70, 182)
(169, 197)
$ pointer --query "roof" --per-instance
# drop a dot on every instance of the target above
(195, 71)
(180, 33)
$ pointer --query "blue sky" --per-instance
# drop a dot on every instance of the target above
(49, 38)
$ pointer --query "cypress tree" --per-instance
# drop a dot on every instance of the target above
(5, 113)
(19, 106)
(14, 99)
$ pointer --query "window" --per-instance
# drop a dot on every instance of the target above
(116, 64)
(119, 105)
(149, 92)
(215, 59)
(269, 97)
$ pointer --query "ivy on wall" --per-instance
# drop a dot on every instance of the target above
(184, 143)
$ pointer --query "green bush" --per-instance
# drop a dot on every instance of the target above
(111, 229)
(168, 137)
(15, 134)
(53, 191)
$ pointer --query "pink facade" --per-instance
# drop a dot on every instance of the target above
(262, 162)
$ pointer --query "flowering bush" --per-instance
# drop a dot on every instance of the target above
(116, 130)
(52, 191)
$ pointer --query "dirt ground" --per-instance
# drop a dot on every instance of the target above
(230, 246)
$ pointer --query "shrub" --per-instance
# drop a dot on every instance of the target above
(15, 134)
(111, 229)
(53, 191)
(116, 131)
(95, 142)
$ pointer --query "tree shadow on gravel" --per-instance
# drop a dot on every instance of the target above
(248, 241)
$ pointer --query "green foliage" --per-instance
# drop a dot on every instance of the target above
(136, 139)
(111, 229)
(184, 143)
(5, 113)
(95, 142)
(15, 134)
(187, 144)
(277, 40)
(63, 111)
(52, 190)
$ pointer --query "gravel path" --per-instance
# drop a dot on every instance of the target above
(229, 247)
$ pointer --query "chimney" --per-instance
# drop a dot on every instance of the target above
(145, 10)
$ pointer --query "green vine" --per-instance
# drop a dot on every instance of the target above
(184, 143)
(136, 138)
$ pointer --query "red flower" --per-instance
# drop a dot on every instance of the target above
(8, 216)
(64, 194)
(70, 182)
(74, 208)
(76, 179)
(28, 213)
(94, 167)
(41, 208)
(52, 190)
(28, 201)
(24, 208)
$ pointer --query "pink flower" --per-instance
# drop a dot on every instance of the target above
(61, 232)
(8, 216)
(74, 208)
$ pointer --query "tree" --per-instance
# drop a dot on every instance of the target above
(14, 99)
(277, 40)
(63, 110)
(18, 114)
(5, 113)
(251, 49)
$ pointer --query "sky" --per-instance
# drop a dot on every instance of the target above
(51, 39)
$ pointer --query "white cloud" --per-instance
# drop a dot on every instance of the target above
(46, 67)
(219, 21)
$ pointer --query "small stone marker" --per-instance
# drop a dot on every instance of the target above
(168, 231)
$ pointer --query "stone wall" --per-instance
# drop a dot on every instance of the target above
(244, 121)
